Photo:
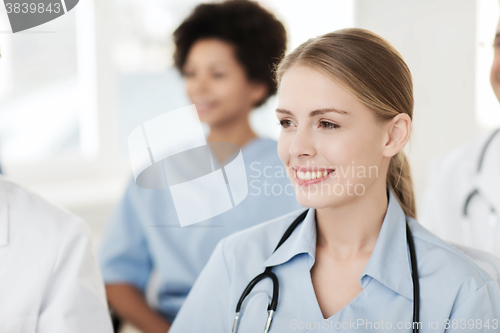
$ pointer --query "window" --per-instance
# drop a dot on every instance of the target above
(38, 89)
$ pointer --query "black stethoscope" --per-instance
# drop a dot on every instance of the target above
(494, 217)
(274, 301)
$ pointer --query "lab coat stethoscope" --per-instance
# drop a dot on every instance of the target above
(494, 218)
(274, 301)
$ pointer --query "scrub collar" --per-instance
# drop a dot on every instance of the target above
(389, 262)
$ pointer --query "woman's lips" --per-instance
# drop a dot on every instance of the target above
(204, 107)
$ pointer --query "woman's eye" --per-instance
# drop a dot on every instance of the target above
(218, 75)
(286, 123)
(328, 125)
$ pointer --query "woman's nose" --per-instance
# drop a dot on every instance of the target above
(200, 84)
(302, 144)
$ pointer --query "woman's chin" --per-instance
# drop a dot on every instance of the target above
(308, 197)
(316, 201)
(212, 118)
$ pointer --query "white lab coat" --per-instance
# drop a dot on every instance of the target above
(451, 179)
(49, 278)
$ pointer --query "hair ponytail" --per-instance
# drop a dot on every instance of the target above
(400, 182)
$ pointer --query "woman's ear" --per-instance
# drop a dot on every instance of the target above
(258, 92)
(398, 134)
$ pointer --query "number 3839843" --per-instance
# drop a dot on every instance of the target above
(33, 7)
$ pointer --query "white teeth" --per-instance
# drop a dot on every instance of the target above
(308, 175)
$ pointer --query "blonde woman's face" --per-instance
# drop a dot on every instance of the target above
(331, 144)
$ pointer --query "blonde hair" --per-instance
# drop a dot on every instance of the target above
(375, 73)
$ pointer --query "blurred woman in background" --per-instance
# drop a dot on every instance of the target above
(226, 52)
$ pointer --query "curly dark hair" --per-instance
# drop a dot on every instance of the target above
(258, 37)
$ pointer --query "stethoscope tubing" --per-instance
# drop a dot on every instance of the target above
(415, 279)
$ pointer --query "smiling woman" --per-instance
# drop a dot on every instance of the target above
(226, 53)
(356, 120)
(347, 101)
(354, 257)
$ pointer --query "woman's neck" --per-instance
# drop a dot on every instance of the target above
(352, 229)
(237, 131)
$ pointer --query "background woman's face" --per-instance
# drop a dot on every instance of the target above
(325, 127)
(217, 84)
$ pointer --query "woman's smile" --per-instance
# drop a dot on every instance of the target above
(305, 175)
(204, 106)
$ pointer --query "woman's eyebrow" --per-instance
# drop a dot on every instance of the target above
(316, 112)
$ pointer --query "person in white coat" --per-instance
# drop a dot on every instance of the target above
(49, 278)
(462, 200)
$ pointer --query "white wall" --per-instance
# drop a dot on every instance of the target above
(437, 38)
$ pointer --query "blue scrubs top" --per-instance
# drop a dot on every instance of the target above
(454, 293)
(145, 236)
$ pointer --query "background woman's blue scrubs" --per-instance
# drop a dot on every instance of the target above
(145, 235)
